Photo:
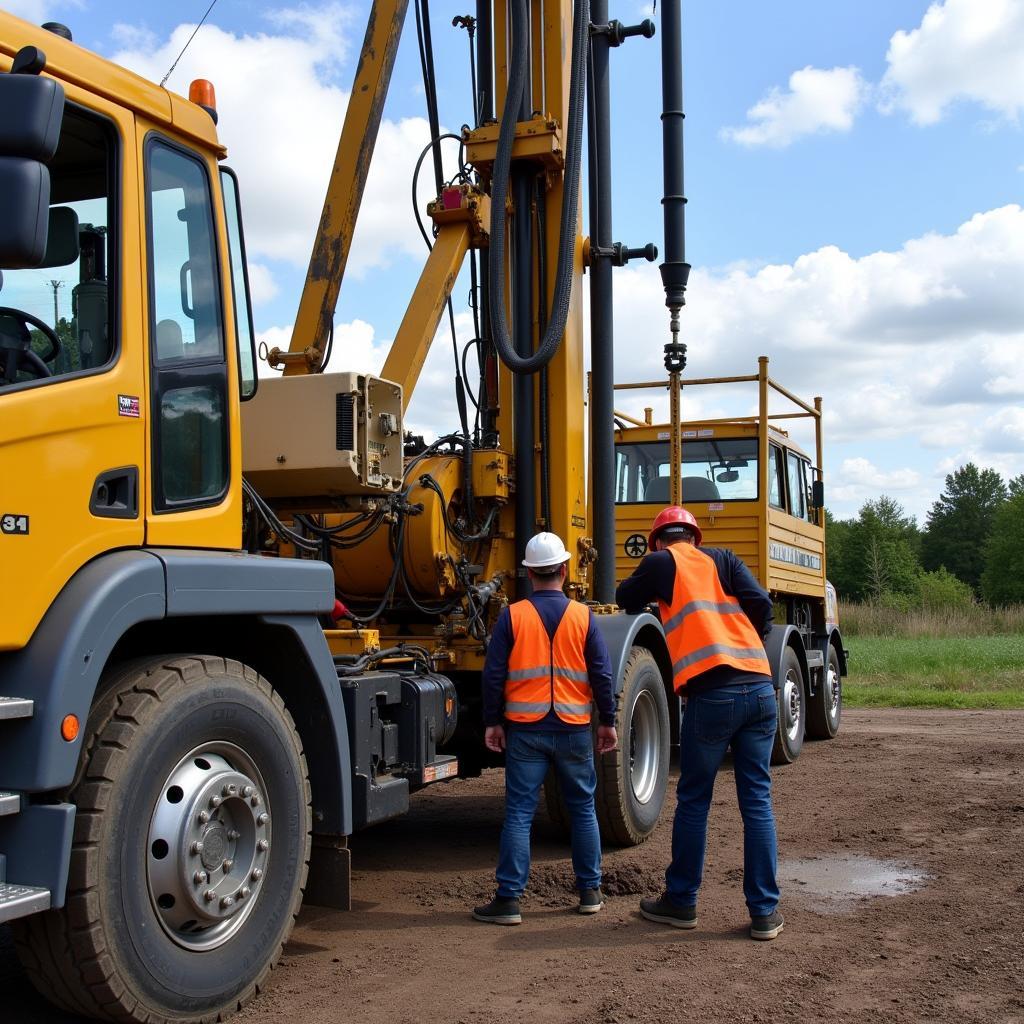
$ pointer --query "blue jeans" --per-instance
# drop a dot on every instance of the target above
(745, 717)
(528, 755)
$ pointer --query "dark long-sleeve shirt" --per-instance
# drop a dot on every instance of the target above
(654, 579)
(550, 605)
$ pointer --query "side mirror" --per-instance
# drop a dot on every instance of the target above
(31, 113)
(818, 494)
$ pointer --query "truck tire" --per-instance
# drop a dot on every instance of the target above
(191, 847)
(792, 701)
(631, 781)
(825, 708)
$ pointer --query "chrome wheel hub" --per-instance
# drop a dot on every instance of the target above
(833, 691)
(208, 845)
(644, 747)
(792, 705)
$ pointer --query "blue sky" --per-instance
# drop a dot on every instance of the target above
(854, 172)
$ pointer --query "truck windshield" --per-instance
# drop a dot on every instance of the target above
(714, 469)
(71, 293)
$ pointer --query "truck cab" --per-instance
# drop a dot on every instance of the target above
(755, 491)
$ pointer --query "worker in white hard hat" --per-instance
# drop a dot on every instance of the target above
(547, 663)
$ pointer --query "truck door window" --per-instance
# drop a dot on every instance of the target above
(245, 337)
(797, 486)
(190, 440)
(71, 291)
(775, 486)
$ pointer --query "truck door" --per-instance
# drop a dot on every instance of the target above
(72, 413)
(193, 495)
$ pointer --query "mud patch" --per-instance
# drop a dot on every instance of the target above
(839, 884)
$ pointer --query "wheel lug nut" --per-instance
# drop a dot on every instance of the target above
(255, 801)
(197, 848)
(233, 833)
(227, 901)
(262, 846)
(215, 801)
(257, 874)
(199, 877)
(228, 865)
(244, 892)
(247, 792)
(204, 817)
(209, 895)
(263, 818)
(230, 789)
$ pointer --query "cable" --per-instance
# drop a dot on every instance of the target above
(570, 197)
(170, 70)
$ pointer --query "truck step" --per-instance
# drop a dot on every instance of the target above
(10, 803)
(15, 707)
(21, 900)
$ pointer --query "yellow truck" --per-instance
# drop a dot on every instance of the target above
(243, 616)
(755, 491)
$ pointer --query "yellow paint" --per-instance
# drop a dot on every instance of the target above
(56, 437)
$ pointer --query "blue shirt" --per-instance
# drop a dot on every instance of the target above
(550, 605)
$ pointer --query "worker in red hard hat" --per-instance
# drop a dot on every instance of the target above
(716, 617)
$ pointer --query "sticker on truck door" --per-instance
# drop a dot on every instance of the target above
(11, 522)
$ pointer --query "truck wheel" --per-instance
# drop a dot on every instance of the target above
(825, 708)
(631, 782)
(191, 847)
(789, 737)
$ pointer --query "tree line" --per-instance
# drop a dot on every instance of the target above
(971, 547)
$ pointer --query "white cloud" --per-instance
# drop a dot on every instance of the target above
(262, 285)
(921, 346)
(281, 112)
(817, 100)
(962, 50)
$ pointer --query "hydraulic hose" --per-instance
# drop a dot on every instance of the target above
(552, 335)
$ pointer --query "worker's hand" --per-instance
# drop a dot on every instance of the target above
(607, 739)
(494, 738)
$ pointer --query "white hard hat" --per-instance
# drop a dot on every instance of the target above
(545, 551)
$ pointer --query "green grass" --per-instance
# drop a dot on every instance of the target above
(936, 672)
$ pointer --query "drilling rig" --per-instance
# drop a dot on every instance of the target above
(243, 618)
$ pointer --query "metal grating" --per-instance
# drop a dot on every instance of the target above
(20, 900)
(346, 428)
(15, 707)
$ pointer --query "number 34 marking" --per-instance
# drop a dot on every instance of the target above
(11, 523)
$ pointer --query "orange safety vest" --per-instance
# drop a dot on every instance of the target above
(548, 672)
(704, 626)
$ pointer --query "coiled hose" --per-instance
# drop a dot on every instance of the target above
(570, 198)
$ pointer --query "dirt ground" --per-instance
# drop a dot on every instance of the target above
(936, 794)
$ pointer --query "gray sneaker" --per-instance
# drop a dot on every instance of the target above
(664, 911)
(766, 928)
(499, 911)
(591, 901)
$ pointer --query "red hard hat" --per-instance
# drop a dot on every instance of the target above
(674, 515)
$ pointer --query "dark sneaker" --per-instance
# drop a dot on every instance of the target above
(765, 928)
(664, 911)
(499, 911)
(591, 901)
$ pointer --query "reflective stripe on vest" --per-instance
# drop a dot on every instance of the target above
(548, 672)
(704, 626)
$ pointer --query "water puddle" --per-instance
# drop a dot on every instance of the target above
(839, 884)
